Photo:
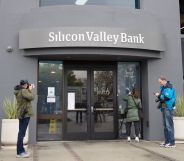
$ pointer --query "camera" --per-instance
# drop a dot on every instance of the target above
(159, 101)
(157, 97)
(33, 86)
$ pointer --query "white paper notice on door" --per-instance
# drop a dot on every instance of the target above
(51, 92)
(51, 99)
(71, 101)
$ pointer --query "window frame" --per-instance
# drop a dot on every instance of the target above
(137, 4)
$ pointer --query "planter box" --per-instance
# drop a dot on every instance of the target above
(9, 132)
(178, 127)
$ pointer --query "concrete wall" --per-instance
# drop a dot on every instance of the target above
(14, 66)
(170, 65)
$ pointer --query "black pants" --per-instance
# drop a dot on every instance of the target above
(23, 123)
(128, 128)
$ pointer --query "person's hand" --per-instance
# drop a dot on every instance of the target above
(157, 94)
(30, 87)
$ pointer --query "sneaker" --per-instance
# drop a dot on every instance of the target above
(22, 155)
(137, 139)
(162, 144)
(27, 153)
(170, 145)
(128, 139)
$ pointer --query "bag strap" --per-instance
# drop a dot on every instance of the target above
(135, 102)
(23, 98)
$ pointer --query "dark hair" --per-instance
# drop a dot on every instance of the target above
(135, 93)
(23, 82)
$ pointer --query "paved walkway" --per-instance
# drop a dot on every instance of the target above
(116, 150)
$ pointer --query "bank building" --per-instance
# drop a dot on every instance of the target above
(83, 56)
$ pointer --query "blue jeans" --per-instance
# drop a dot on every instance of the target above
(23, 123)
(168, 126)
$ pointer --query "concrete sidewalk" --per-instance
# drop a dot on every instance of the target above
(116, 150)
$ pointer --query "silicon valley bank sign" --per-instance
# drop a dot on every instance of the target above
(101, 36)
(90, 37)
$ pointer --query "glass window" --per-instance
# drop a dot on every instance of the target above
(49, 110)
(128, 78)
(77, 101)
(182, 30)
(123, 3)
(182, 16)
(103, 101)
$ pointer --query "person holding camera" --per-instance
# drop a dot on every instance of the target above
(132, 115)
(24, 96)
(167, 101)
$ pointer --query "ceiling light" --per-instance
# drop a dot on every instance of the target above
(53, 72)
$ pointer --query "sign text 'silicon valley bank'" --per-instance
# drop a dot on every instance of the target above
(101, 36)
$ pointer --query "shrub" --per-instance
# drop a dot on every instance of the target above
(179, 107)
(10, 108)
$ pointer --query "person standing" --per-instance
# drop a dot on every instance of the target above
(132, 116)
(24, 95)
(167, 98)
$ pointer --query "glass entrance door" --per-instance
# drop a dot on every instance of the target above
(76, 113)
(90, 103)
(103, 103)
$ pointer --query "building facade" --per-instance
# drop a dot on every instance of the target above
(83, 56)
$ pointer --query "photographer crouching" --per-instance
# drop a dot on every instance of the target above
(24, 96)
(167, 101)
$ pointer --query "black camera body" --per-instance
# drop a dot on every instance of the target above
(33, 86)
(159, 101)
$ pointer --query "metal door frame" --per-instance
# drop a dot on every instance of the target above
(90, 67)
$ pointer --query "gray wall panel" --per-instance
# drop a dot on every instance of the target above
(85, 16)
(163, 16)
(18, 6)
(13, 65)
(86, 53)
(91, 37)
(170, 65)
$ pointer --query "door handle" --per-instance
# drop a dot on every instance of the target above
(92, 109)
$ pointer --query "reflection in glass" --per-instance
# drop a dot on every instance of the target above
(49, 100)
(182, 16)
(123, 3)
(81, 2)
(128, 78)
(103, 101)
(77, 101)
